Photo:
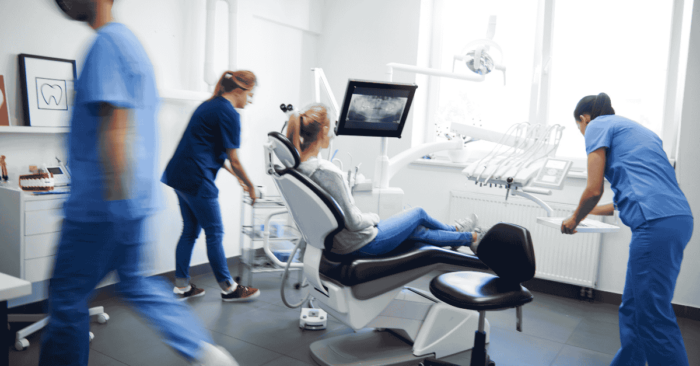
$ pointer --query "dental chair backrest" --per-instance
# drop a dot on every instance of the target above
(507, 249)
(315, 212)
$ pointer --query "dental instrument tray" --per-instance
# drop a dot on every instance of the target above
(585, 226)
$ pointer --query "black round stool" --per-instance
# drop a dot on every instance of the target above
(480, 291)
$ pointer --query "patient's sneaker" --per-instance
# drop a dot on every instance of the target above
(186, 293)
(241, 293)
(211, 355)
(467, 224)
(480, 232)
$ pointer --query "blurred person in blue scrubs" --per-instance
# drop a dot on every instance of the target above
(113, 154)
(212, 136)
(632, 159)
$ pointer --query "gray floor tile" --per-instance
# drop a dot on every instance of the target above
(692, 348)
(690, 329)
(574, 356)
(538, 320)
(246, 354)
(286, 361)
(304, 354)
(579, 308)
(596, 336)
(271, 327)
(511, 348)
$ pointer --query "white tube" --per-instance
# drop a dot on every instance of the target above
(538, 201)
(232, 34)
(435, 72)
(210, 76)
(401, 160)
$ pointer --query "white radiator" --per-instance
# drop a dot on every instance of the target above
(571, 259)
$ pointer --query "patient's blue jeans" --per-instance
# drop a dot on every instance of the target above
(201, 213)
(649, 332)
(87, 252)
(415, 225)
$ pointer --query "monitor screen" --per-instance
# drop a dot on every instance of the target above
(375, 108)
(55, 171)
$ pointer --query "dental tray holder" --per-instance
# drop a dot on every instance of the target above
(46, 178)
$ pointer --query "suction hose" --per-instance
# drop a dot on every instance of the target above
(286, 275)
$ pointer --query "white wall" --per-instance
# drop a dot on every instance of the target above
(687, 290)
(386, 37)
(277, 41)
(359, 38)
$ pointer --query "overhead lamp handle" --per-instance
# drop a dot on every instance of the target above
(491, 31)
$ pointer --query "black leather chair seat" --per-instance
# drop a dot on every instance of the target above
(369, 277)
(479, 291)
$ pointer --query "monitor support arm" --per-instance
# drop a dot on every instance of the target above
(385, 168)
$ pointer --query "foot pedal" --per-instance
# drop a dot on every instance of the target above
(313, 319)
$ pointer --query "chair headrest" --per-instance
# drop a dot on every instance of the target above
(284, 150)
(507, 249)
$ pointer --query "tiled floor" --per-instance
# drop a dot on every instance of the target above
(556, 331)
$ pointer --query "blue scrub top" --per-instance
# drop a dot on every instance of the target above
(116, 71)
(214, 127)
(638, 170)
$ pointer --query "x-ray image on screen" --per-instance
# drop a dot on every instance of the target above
(376, 108)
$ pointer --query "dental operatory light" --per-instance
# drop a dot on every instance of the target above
(478, 55)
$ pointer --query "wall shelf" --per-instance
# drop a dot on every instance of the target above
(29, 129)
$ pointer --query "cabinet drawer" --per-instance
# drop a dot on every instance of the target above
(43, 204)
(44, 221)
(42, 245)
(38, 269)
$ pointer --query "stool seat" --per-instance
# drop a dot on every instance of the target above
(479, 291)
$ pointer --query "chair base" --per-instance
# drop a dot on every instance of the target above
(39, 321)
(366, 348)
(479, 355)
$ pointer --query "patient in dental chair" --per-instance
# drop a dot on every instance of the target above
(365, 235)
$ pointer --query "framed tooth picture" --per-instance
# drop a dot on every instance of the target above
(4, 104)
(47, 90)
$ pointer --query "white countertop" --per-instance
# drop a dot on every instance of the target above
(13, 287)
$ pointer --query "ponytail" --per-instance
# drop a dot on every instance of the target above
(231, 80)
(594, 106)
(303, 128)
(293, 130)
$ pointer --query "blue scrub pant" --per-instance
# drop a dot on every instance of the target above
(201, 213)
(415, 225)
(648, 328)
(87, 252)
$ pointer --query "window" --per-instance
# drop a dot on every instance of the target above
(618, 47)
(490, 103)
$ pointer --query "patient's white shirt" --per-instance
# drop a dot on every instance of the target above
(360, 228)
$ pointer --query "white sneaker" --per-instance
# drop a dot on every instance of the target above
(480, 235)
(467, 224)
(212, 355)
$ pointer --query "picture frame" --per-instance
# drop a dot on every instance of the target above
(48, 88)
(4, 104)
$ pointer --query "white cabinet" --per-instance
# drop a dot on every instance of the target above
(30, 228)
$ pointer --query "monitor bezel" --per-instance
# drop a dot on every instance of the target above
(341, 130)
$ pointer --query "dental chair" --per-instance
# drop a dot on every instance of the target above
(410, 325)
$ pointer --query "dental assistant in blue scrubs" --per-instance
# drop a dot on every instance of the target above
(212, 136)
(646, 193)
